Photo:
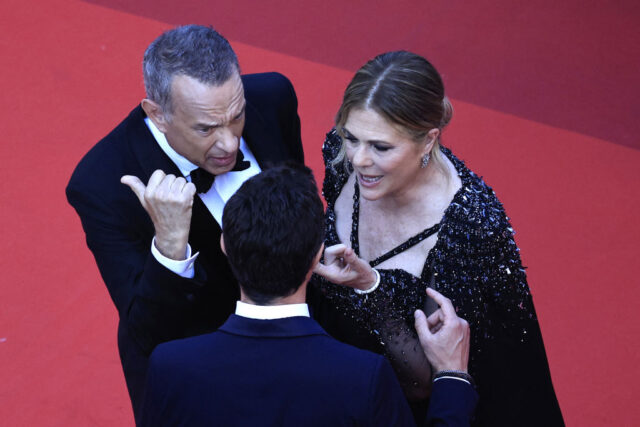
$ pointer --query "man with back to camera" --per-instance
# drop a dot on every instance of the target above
(155, 245)
(270, 363)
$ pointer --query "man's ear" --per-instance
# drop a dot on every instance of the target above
(224, 251)
(316, 260)
(155, 112)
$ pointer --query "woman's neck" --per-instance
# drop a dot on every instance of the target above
(430, 183)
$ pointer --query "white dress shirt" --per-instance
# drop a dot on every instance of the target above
(223, 188)
(269, 312)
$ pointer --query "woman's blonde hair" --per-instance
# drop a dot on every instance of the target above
(406, 90)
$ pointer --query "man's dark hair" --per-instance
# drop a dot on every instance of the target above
(273, 227)
(192, 50)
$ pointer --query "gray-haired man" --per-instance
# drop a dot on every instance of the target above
(155, 242)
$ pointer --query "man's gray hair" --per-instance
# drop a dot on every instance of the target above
(192, 50)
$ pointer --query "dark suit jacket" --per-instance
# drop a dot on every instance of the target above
(154, 304)
(283, 372)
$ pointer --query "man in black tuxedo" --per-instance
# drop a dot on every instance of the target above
(270, 363)
(155, 244)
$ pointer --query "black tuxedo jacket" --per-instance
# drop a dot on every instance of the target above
(154, 304)
(284, 372)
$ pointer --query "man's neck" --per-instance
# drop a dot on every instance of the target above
(298, 297)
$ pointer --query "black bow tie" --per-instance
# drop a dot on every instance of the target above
(203, 180)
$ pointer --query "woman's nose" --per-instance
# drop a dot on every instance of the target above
(361, 156)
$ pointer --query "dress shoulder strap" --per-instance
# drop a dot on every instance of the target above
(412, 241)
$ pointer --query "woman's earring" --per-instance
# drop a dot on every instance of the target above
(425, 160)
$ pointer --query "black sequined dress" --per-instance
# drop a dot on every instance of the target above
(475, 262)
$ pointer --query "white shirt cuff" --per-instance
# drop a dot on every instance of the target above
(184, 268)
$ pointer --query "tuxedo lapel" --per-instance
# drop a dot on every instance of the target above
(204, 228)
(146, 149)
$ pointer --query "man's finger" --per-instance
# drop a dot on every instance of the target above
(156, 178)
(190, 190)
(178, 184)
(134, 183)
(164, 187)
(434, 319)
(421, 326)
(445, 304)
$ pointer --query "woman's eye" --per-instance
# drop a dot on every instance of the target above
(351, 139)
(381, 147)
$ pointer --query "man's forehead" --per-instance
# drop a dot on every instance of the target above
(215, 118)
(191, 95)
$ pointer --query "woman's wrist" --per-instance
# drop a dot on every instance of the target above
(373, 287)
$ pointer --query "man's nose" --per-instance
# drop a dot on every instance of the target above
(227, 140)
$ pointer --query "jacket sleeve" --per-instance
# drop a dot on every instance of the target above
(387, 404)
(153, 411)
(152, 300)
(452, 404)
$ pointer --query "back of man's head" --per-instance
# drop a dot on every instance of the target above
(273, 230)
(192, 50)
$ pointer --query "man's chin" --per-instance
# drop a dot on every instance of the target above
(218, 168)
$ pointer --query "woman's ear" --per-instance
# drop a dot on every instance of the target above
(430, 139)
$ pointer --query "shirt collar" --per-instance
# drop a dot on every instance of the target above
(269, 312)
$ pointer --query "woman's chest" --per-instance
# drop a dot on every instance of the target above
(377, 233)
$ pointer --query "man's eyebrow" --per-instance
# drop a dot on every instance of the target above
(207, 125)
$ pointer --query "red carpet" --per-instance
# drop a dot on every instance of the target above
(546, 99)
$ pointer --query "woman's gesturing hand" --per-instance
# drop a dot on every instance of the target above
(343, 267)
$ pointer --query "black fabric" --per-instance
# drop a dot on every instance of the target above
(154, 304)
(202, 179)
(476, 264)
